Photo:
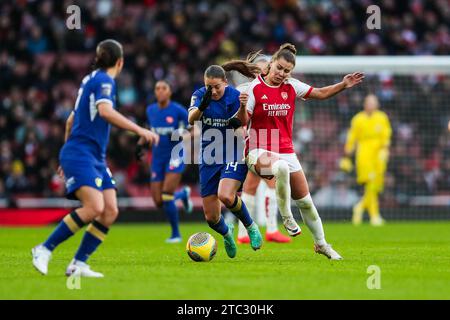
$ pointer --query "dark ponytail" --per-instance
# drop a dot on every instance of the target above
(107, 53)
(245, 67)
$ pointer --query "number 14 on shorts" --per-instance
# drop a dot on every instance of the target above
(233, 165)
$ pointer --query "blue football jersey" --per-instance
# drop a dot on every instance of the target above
(164, 121)
(215, 125)
(89, 137)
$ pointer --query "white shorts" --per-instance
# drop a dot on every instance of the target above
(290, 158)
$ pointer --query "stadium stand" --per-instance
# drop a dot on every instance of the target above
(42, 63)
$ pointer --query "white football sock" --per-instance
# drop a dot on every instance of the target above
(271, 211)
(280, 170)
(311, 219)
(249, 201)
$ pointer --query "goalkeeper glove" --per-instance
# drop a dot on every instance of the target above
(346, 165)
(206, 100)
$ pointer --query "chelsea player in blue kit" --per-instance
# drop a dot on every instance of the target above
(165, 117)
(83, 163)
(218, 108)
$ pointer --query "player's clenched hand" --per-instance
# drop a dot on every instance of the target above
(352, 79)
(206, 100)
(149, 136)
(243, 98)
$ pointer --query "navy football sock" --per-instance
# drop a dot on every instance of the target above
(94, 236)
(171, 211)
(64, 230)
(220, 227)
(240, 211)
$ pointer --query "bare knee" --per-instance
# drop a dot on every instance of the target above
(95, 209)
(110, 215)
(227, 199)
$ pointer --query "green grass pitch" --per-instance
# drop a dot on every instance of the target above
(413, 257)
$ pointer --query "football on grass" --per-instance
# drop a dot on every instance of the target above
(201, 246)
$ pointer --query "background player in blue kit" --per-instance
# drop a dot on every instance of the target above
(217, 106)
(164, 118)
(83, 162)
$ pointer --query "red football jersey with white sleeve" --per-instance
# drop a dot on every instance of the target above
(271, 110)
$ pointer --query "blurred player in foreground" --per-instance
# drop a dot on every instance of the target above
(83, 163)
(166, 117)
(370, 134)
(222, 171)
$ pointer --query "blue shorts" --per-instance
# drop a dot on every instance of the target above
(162, 165)
(210, 176)
(78, 174)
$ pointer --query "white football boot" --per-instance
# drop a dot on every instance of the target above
(173, 240)
(79, 268)
(41, 257)
(188, 205)
(327, 251)
(291, 226)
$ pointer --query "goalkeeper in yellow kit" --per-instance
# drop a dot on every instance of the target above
(370, 135)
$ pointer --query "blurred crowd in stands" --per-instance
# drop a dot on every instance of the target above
(42, 63)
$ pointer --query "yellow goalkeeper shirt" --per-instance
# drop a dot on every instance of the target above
(369, 134)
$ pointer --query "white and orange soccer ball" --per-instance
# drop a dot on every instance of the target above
(201, 246)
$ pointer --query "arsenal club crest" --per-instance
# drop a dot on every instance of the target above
(284, 95)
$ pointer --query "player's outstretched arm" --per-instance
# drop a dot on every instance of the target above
(347, 82)
(108, 113)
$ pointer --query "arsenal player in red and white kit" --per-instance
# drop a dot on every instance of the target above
(270, 101)
(249, 195)
(271, 110)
